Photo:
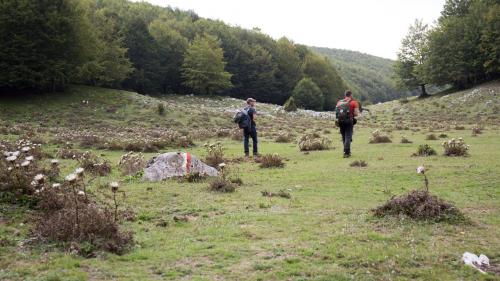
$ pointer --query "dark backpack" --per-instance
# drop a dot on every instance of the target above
(242, 119)
(342, 110)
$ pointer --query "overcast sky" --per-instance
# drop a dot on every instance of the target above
(369, 26)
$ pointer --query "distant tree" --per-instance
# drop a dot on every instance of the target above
(322, 72)
(143, 52)
(409, 68)
(289, 67)
(108, 64)
(172, 46)
(308, 95)
(463, 48)
(203, 66)
(42, 43)
(490, 40)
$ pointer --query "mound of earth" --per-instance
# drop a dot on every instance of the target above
(419, 205)
(176, 164)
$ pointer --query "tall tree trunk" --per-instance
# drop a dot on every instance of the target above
(423, 94)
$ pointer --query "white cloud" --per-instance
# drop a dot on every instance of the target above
(370, 26)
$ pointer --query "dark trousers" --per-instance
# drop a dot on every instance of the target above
(247, 133)
(346, 130)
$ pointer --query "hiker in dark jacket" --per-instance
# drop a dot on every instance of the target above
(346, 110)
(252, 130)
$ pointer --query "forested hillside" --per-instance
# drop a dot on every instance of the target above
(45, 45)
(370, 77)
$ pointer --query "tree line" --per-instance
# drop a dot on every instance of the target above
(48, 44)
(462, 50)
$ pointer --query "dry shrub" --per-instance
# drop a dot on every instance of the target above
(477, 129)
(223, 133)
(69, 215)
(443, 136)
(456, 147)
(271, 161)
(358, 163)
(88, 140)
(131, 163)
(459, 127)
(96, 229)
(313, 141)
(215, 153)
(281, 193)
(425, 150)
(194, 177)
(379, 137)
(65, 153)
(220, 184)
(431, 137)
(420, 205)
(284, 138)
(93, 164)
(405, 140)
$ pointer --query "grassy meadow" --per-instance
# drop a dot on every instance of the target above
(325, 231)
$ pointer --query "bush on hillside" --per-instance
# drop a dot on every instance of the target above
(405, 140)
(456, 147)
(308, 95)
(425, 150)
(271, 161)
(215, 153)
(379, 137)
(290, 105)
(311, 142)
(420, 205)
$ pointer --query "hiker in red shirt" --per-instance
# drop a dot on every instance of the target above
(346, 110)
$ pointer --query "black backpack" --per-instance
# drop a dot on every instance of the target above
(242, 119)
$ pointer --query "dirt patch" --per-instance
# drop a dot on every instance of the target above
(420, 205)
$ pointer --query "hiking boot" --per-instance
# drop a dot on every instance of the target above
(347, 155)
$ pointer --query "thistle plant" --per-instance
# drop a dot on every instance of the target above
(114, 189)
(421, 170)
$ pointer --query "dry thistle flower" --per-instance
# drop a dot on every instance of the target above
(25, 163)
(56, 185)
(421, 169)
(114, 186)
(30, 158)
(11, 158)
(71, 178)
(39, 178)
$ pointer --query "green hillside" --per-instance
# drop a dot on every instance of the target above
(368, 76)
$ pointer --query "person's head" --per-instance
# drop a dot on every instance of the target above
(251, 102)
(348, 94)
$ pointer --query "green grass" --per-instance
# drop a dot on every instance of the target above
(324, 232)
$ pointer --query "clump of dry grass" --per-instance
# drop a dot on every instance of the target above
(425, 150)
(93, 164)
(215, 153)
(271, 161)
(284, 138)
(379, 137)
(131, 163)
(405, 140)
(420, 205)
(431, 137)
(220, 184)
(477, 129)
(443, 136)
(281, 193)
(313, 141)
(358, 163)
(456, 147)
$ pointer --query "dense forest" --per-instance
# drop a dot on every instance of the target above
(47, 44)
(462, 49)
(369, 77)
